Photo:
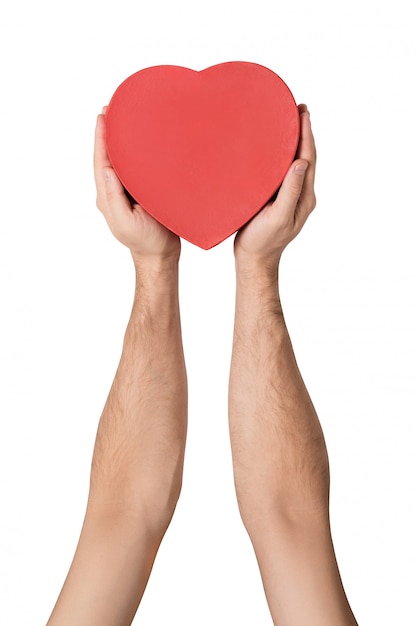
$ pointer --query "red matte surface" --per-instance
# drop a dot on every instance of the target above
(202, 152)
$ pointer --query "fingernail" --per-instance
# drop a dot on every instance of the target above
(301, 168)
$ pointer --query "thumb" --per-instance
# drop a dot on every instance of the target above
(292, 186)
(112, 200)
(117, 201)
(112, 186)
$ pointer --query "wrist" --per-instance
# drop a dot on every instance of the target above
(260, 267)
(256, 272)
(155, 272)
(257, 293)
(156, 290)
(155, 263)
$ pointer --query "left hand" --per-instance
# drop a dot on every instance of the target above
(128, 221)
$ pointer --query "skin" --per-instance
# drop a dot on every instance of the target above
(279, 455)
(280, 462)
(137, 465)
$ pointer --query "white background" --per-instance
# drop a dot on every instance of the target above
(348, 289)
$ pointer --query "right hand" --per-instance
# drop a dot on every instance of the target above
(262, 240)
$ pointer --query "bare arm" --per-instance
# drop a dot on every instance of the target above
(279, 454)
(136, 471)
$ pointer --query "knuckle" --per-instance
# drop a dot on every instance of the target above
(99, 202)
(294, 191)
(286, 226)
(102, 202)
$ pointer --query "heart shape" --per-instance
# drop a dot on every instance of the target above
(202, 152)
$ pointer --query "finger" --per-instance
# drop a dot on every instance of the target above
(101, 158)
(114, 193)
(306, 146)
(289, 194)
(113, 202)
(302, 108)
(306, 204)
(111, 198)
(307, 151)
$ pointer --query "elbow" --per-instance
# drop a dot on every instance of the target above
(149, 501)
(297, 502)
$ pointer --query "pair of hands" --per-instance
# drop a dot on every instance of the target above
(261, 241)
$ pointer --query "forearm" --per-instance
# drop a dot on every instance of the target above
(280, 464)
(139, 450)
(278, 447)
(137, 462)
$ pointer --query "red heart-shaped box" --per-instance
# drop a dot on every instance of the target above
(202, 152)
